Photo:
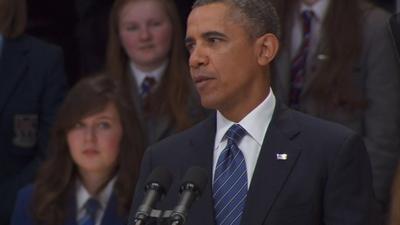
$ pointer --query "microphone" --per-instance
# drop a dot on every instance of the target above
(191, 189)
(157, 185)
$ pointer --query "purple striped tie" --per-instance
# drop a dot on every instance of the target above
(147, 86)
(299, 63)
(230, 180)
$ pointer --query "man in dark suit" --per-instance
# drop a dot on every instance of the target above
(267, 164)
(32, 85)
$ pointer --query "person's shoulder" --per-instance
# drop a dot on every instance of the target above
(37, 49)
(39, 44)
(374, 17)
(319, 129)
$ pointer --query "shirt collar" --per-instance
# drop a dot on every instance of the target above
(82, 195)
(255, 123)
(319, 9)
(141, 75)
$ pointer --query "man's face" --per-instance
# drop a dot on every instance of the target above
(223, 59)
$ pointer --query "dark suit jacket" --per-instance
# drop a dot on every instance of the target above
(376, 76)
(31, 88)
(326, 178)
(22, 214)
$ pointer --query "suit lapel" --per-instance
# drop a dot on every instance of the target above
(110, 213)
(202, 146)
(317, 59)
(72, 210)
(271, 173)
(134, 92)
(12, 66)
(283, 64)
(156, 127)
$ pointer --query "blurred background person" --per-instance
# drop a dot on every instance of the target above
(95, 152)
(337, 62)
(146, 51)
(33, 85)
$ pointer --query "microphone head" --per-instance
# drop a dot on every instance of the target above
(195, 179)
(160, 178)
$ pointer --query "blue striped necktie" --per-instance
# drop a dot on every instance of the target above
(91, 208)
(230, 180)
(299, 63)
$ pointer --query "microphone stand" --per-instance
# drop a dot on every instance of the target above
(159, 216)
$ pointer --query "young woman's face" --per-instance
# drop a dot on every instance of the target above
(94, 141)
(145, 31)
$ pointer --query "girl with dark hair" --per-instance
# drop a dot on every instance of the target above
(95, 152)
(146, 52)
(337, 62)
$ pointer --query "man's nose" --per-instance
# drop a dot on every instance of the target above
(198, 57)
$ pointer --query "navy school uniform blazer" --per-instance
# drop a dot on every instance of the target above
(325, 180)
(32, 87)
(22, 212)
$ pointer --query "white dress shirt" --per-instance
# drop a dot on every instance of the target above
(82, 195)
(140, 75)
(256, 124)
(319, 9)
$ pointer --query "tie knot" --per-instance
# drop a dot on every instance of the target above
(91, 206)
(147, 85)
(235, 133)
(307, 15)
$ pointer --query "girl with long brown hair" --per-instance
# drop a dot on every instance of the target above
(337, 62)
(95, 152)
(146, 52)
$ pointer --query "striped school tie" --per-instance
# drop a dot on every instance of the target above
(230, 180)
(91, 208)
(147, 86)
(299, 63)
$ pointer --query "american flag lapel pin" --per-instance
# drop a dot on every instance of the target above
(282, 156)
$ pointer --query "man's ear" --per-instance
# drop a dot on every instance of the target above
(267, 48)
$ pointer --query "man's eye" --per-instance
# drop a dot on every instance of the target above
(189, 47)
(213, 40)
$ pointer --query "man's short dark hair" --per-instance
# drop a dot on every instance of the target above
(260, 15)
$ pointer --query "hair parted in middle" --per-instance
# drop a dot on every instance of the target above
(172, 96)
